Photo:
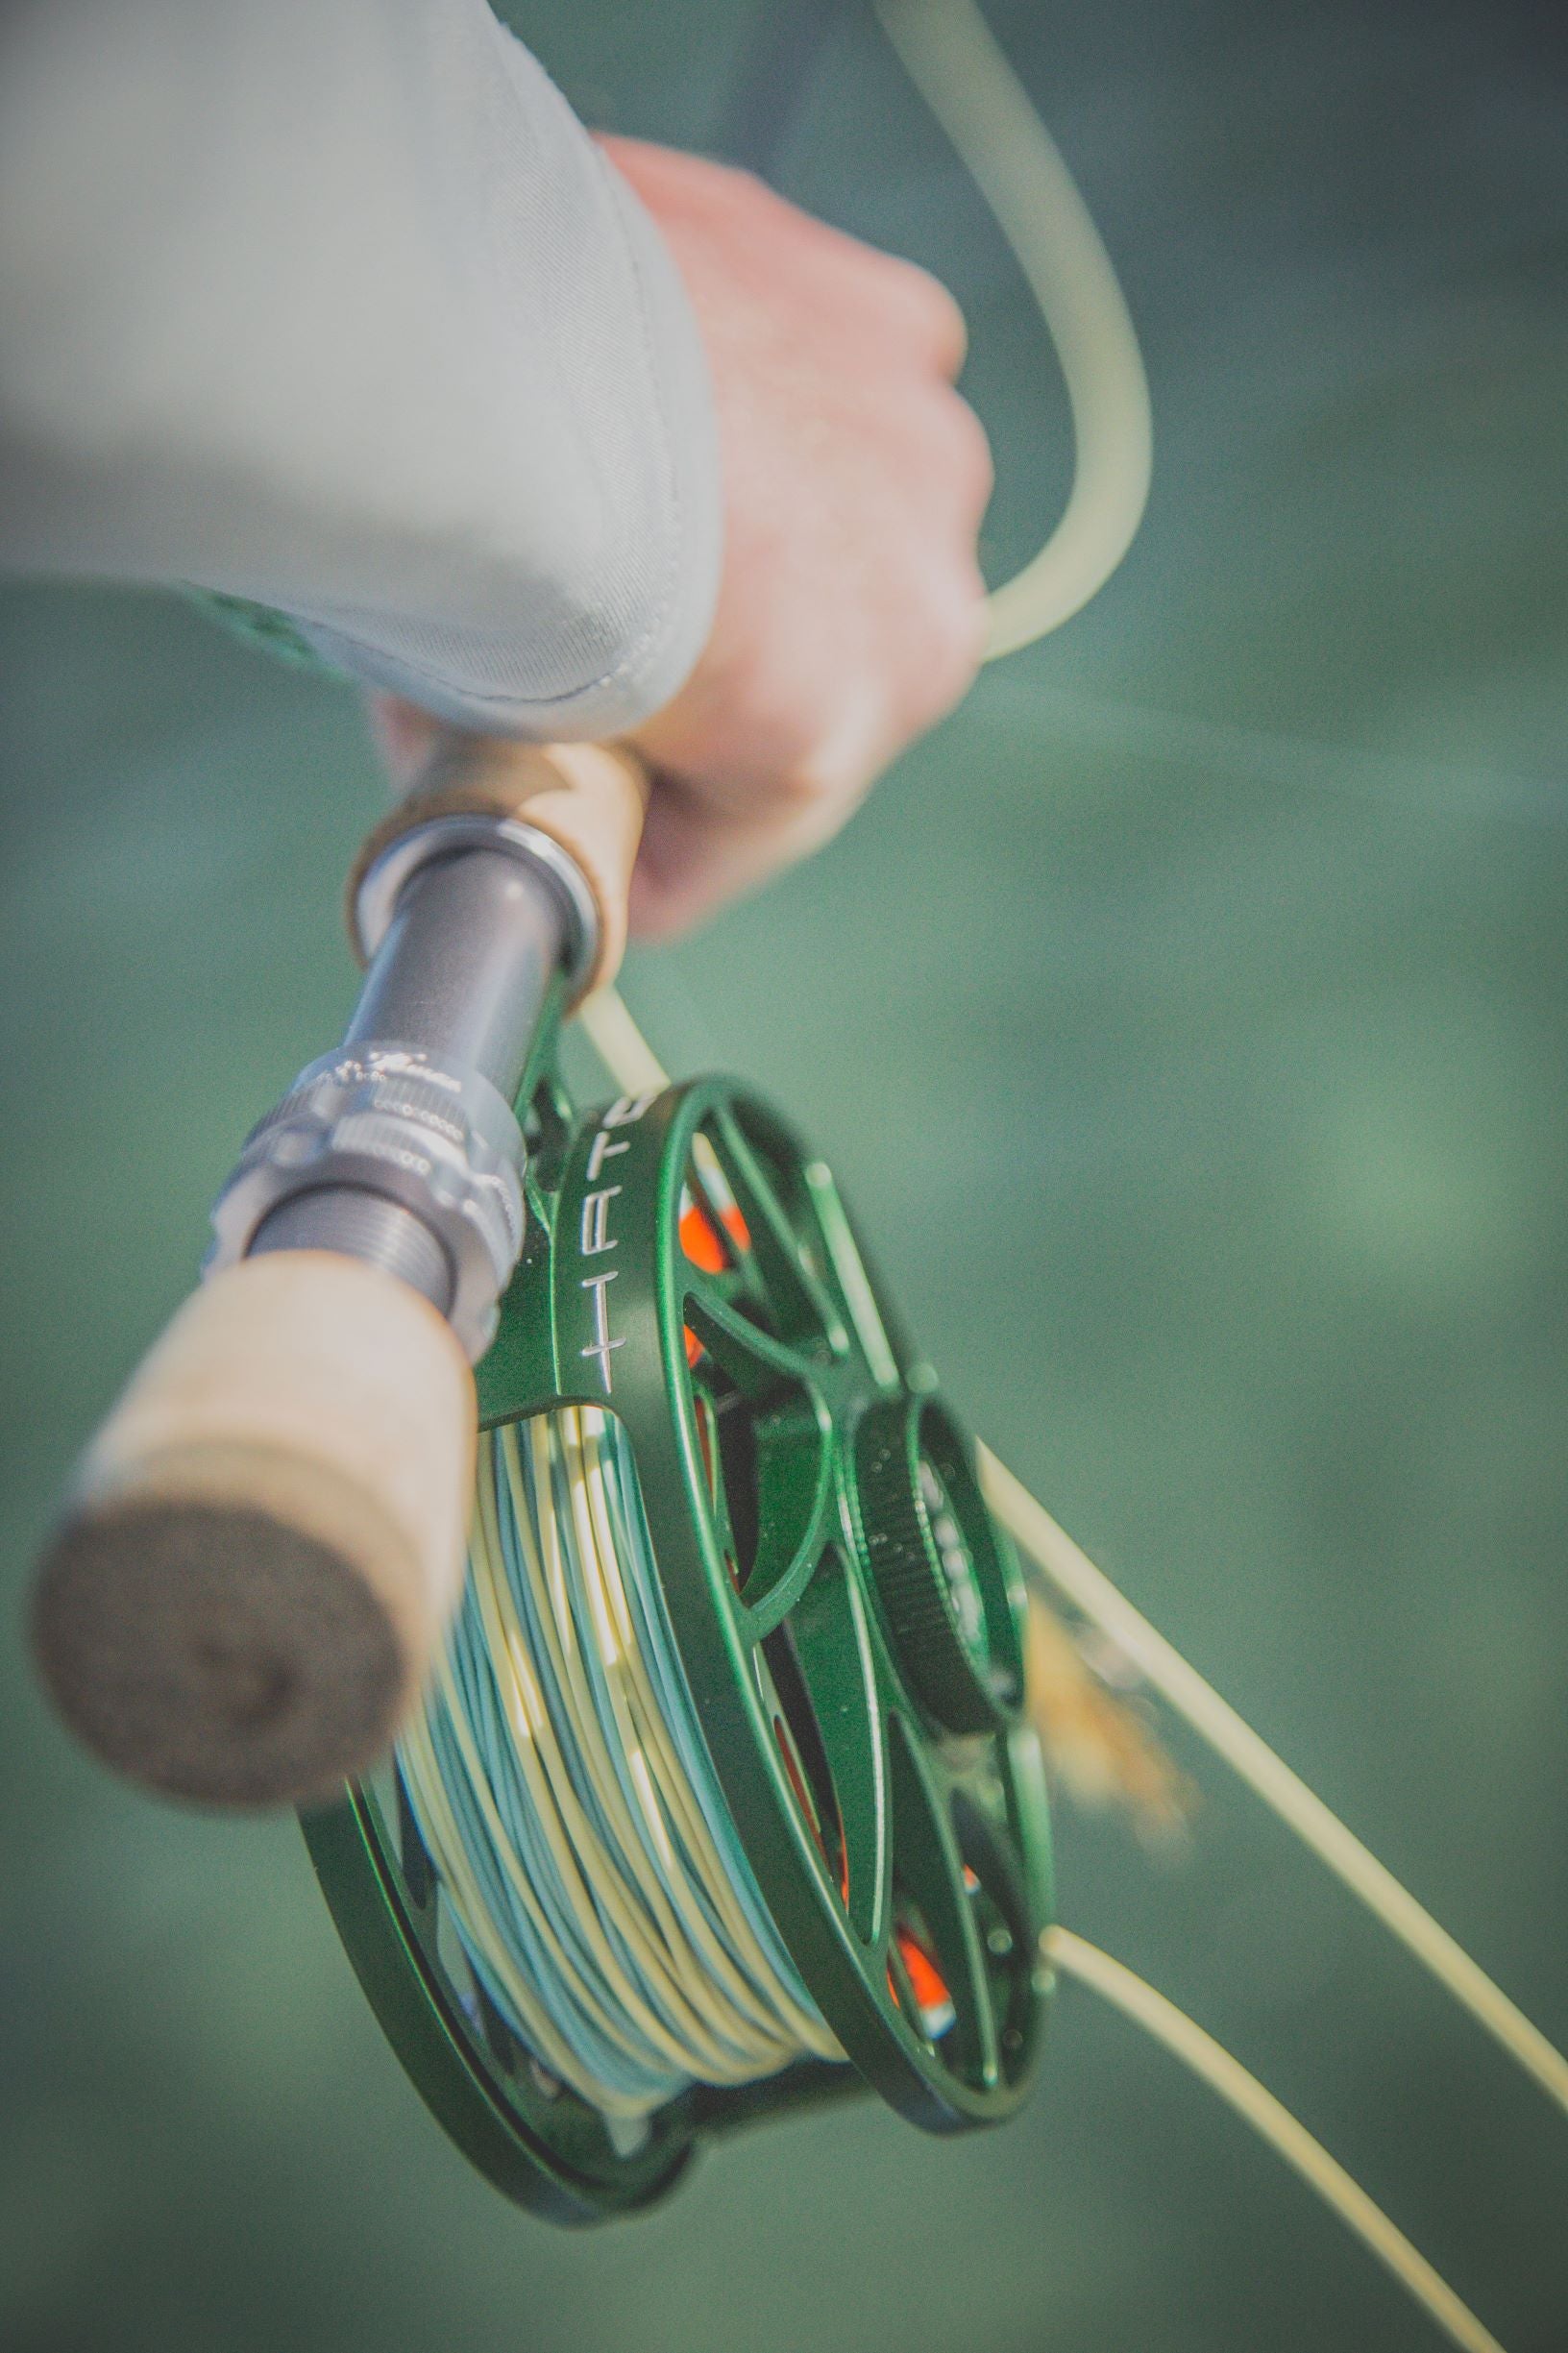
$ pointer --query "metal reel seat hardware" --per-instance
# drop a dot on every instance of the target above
(441, 1142)
(403, 1147)
(379, 889)
(690, 1270)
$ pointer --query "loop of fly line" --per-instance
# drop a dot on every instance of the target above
(1067, 1568)
(1272, 2121)
(633, 1066)
(950, 54)
(990, 120)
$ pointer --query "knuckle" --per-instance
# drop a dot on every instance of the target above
(931, 315)
(951, 637)
(814, 790)
(951, 449)
(974, 463)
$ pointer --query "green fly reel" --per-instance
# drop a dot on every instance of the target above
(830, 1623)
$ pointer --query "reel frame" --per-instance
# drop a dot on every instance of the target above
(846, 1614)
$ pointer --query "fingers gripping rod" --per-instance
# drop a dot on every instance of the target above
(263, 1543)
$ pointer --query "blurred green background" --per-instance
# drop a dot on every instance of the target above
(1187, 1019)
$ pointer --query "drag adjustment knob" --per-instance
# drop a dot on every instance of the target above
(940, 1569)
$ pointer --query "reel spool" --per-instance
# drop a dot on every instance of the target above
(832, 1621)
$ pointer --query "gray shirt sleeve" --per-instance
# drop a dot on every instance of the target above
(333, 305)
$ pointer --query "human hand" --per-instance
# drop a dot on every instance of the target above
(850, 608)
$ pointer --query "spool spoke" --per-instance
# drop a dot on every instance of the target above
(849, 1271)
(833, 1650)
(752, 1355)
(928, 1875)
(765, 1435)
(769, 1598)
(790, 1284)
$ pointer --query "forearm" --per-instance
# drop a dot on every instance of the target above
(333, 305)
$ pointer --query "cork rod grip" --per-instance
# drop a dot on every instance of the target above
(263, 1545)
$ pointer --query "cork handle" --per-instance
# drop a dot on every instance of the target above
(263, 1544)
